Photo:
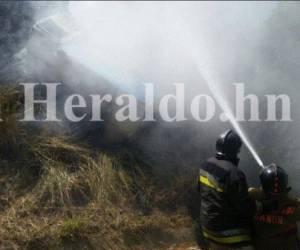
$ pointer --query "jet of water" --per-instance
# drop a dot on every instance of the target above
(229, 115)
(199, 53)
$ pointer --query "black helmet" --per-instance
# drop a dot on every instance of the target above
(274, 180)
(228, 144)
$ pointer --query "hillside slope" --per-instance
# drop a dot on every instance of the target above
(57, 193)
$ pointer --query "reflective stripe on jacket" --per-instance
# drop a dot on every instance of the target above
(205, 178)
(276, 228)
(226, 208)
(228, 236)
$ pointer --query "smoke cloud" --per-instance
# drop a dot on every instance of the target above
(133, 43)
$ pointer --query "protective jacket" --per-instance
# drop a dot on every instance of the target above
(276, 229)
(226, 208)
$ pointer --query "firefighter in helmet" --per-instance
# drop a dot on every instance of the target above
(276, 224)
(226, 210)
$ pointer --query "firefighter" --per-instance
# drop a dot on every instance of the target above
(226, 210)
(276, 224)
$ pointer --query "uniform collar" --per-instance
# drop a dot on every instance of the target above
(234, 160)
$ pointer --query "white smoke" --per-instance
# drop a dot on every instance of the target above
(131, 43)
(126, 41)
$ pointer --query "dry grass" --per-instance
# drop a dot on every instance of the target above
(12, 133)
(76, 197)
(106, 181)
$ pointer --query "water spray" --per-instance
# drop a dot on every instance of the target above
(199, 54)
(228, 114)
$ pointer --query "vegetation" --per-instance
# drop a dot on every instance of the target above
(56, 193)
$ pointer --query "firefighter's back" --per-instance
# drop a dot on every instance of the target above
(225, 209)
(216, 212)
